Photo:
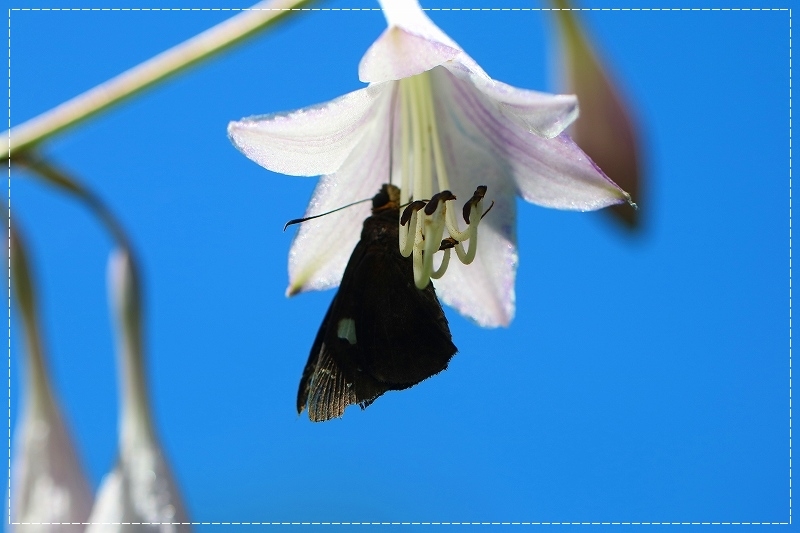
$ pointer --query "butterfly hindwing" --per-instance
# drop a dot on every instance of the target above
(402, 331)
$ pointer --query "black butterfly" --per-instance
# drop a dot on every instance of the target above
(380, 333)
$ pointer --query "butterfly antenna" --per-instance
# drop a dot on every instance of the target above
(299, 220)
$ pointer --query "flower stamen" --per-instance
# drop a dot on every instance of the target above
(422, 161)
(405, 159)
(439, 272)
(433, 229)
(441, 172)
(409, 216)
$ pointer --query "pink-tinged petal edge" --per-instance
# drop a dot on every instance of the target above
(552, 173)
(544, 114)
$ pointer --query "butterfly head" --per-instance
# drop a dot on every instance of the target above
(387, 198)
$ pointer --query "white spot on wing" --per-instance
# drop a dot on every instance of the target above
(346, 330)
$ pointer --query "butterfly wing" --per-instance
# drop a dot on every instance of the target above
(402, 332)
(332, 379)
(380, 332)
(322, 381)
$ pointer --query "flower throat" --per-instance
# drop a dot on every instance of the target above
(423, 222)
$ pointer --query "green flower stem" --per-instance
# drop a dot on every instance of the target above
(563, 11)
(38, 396)
(156, 69)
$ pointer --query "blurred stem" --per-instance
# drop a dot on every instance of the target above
(576, 47)
(200, 47)
(38, 391)
(127, 308)
(569, 24)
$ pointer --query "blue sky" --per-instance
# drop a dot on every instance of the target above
(644, 378)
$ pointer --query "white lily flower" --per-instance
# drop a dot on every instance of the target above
(140, 488)
(48, 487)
(441, 123)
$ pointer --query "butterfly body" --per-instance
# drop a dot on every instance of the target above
(380, 333)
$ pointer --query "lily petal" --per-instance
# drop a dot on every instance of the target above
(49, 485)
(310, 141)
(485, 146)
(543, 114)
(140, 488)
(322, 247)
(399, 53)
(412, 44)
(549, 172)
(484, 290)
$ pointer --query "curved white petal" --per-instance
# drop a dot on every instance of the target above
(546, 115)
(322, 247)
(399, 53)
(549, 172)
(140, 488)
(412, 44)
(310, 141)
(557, 173)
(483, 290)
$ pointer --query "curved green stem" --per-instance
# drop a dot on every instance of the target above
(39, 395)
(56, 177)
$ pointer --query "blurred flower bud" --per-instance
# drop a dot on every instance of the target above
(48, 485)
(604, 129)
(140, 488)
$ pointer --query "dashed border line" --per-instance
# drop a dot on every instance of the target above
(790, 266)
(350, 9)
(8, 238)
(523, 9)
(401, 523)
